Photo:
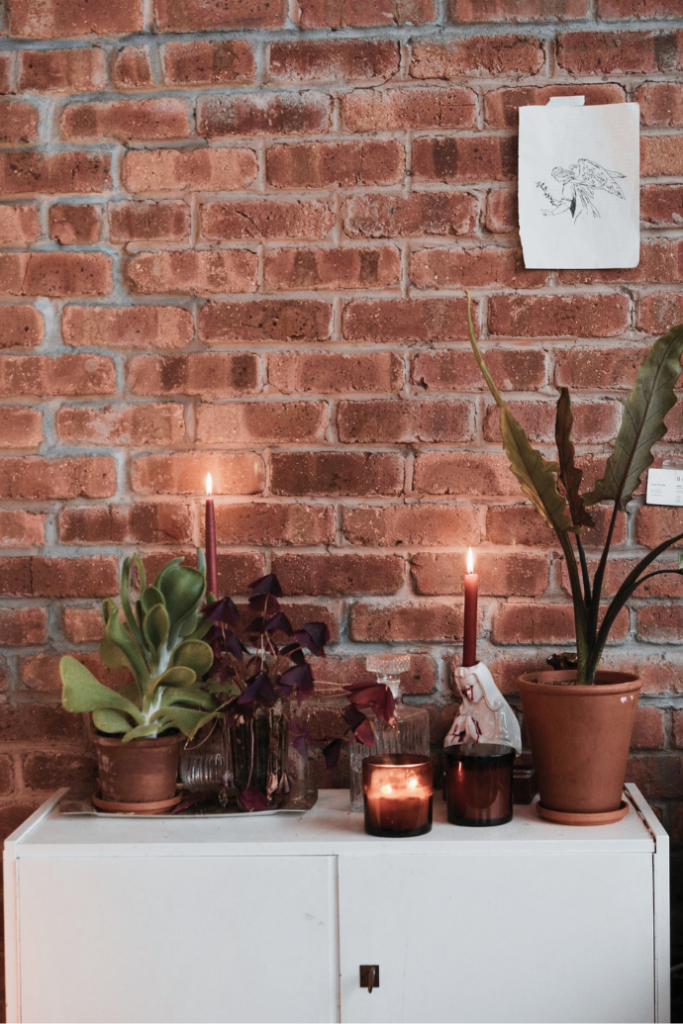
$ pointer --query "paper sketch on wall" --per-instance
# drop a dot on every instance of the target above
(579, 180)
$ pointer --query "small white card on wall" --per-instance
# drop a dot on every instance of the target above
(579, 186)
(664, 487)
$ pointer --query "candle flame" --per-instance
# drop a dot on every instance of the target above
(387, 789)
(412, 783)
(209, 485)
(470, 561)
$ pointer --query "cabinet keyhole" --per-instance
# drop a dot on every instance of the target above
(369, 976)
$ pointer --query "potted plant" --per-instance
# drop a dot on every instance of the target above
(138, 729)
(580, 720)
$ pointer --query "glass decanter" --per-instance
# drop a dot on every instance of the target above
(409, 733)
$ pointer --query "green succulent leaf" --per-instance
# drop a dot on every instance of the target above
(194, 698)
(570, 475)
(110, 721)
(125, 602)
(156, 627)
(82, 692)
(180, 675)
(150, 597)
(195, 654)
(203, 627)
(141, 732)
(174, 562)
(112, 656)
(119, 635)
(142, 575)
(643, 421)
(187, 720)
(201, 562)
(183, 589)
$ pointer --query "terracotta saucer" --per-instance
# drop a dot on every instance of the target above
(151, 807)
(583, 817)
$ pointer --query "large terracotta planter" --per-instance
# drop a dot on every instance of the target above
(580, 738)
(139, 776)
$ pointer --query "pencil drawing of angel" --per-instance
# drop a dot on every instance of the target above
(580, 182)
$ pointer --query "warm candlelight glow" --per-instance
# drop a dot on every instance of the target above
(209, 486)
(470, 561)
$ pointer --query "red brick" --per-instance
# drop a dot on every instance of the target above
(519, 574)
(416, 525)
(161, 425)
(421, 677)
(261, 422)
(55, 273)
(608, 53)
(81, 70)
(285, 113)
(405, 422)
(48, 770)
(659, 312)
(419, 621)
(54, 19)
(473, 268)
(6, 789)
(19, 225)
(526, 10)
(132, 68)
(350, 13)
(406, 320)
(336, 473)
(20, 327)
(30, 172)
(22, 427)
(465, 159)
(464, 473)
(638, 8)
(661, 155)
(163, 327)
(177, 170)
(655, 524)
(656, 776)
(456, 370)
(660, 673)
(678, 728)
(74, 577)
(207, 374)
(659, 264)
(365, 110)
(73, 225)
(126, 119)
(40, 674)
(478, 57)
(166, 221)
(185, 473)
(518, 525)
(16, 576)
(585, 316)
(18, 122)
(501, 106)
(82, 625)
(590, 367)
(40, 479)
(330, 373)
(544, 624)
(22, 627)
(594, 422)
(662, 205)
(269, 525)
(315, 575)
(265, 321)
(196, 15)
(19, 529)
(208, 62)
(326, 60)
(323, 164)
(264, 219)
(661, 104)
(64, 375)
(161, 523)
(6, 64)
(192, 273)
(648, 731)
(419, 213)
(501, 211)
(311, 269)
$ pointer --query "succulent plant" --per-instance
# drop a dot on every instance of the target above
(160, 642)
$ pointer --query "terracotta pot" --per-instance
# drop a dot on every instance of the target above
(138, 772)
(580, 738)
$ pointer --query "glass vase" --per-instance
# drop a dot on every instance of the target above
(259, 749)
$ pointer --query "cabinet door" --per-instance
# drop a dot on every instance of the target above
(493, 938)
(178, 939)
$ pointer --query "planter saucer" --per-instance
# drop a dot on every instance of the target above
(150, 807)
(583, 817)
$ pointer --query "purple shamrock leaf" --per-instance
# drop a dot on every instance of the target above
(260, 688)
(253, 799)
(267, 585)
(331, 753)
(279, 622)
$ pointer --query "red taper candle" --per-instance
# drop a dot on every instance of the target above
(211, 565)
(469, 644)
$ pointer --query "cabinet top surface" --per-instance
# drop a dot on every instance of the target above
(328, 829)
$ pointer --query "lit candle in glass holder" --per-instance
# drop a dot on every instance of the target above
(397, 794)
(211, 562)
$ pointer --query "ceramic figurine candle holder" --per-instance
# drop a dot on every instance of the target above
(397, 795)
(479, 783)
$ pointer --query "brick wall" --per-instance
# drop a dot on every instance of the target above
(235, 237)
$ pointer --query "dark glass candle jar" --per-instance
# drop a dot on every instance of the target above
(397, 795)
(479, 783)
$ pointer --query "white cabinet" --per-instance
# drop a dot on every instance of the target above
(269, 919)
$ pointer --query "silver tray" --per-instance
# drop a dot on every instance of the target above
(78, 803)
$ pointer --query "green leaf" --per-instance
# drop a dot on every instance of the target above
(203, 627)
(680, 559)
(82, 692)
(195, 698)
(195, 654)
(125, 602)
(112, 656)
(156, 627)
(186, 719)
(169, 565)
(119, 635)
(178, 676)
(110, 721)
(570, 474)
(150, 597)
(643, 421)
(201, 562)
(183, 589)
(141, 732)
(536, 476)
(142, 575)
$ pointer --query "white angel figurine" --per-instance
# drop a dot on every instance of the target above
(485, 716)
